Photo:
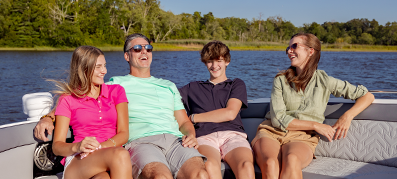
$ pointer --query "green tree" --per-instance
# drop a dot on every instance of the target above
(315, 29)
(366, 38)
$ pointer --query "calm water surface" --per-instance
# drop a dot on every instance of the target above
(25, 72)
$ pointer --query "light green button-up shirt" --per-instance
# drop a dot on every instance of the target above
(286, 104)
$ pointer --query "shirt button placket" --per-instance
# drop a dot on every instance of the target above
(100, 107)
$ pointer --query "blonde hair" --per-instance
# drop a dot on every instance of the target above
(82, 67)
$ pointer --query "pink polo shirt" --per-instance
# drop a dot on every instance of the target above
(91, 117)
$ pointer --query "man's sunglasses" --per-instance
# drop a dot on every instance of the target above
(293, 47)
(138, 48)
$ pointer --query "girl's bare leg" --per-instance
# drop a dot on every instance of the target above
(113, 159)
(102, 175)
(213, 163)
(241, 161)
(295, 157)
(268, 156)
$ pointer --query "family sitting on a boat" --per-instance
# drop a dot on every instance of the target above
(186, 133)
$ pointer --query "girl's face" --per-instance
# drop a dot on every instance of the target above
(298, 53)
(99, 71)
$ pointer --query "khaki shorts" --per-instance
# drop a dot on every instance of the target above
(265, 129)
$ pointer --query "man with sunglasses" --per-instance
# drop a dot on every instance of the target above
(162, 140)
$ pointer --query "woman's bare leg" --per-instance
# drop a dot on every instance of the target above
(268, 156)
(241, 161)
(113, 159)
(213, 163)
(295, 157)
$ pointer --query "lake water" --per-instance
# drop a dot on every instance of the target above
(25, 72)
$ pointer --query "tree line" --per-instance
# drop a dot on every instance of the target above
(71, 23)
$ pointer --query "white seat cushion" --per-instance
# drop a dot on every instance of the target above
(348, 169)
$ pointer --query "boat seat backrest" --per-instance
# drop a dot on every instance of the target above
(253, 116)
(372, 137)
(367, 141)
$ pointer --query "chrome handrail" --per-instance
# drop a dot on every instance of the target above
(383, 91)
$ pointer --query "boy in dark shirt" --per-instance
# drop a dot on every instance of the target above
(214, 107)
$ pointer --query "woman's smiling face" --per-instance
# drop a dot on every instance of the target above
(300, 55)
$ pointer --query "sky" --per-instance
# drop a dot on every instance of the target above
(297, 12)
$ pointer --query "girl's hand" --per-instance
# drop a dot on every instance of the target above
(87, 145)
(325, 130)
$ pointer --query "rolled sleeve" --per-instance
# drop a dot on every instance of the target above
(278, 111)
(343, 88)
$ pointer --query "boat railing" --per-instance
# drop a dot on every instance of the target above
(383, 91)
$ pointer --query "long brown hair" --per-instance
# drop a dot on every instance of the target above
(82, 67)
(303, 79)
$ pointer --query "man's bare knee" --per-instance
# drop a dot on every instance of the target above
(193, 168)
(156, 170)
(201, 174)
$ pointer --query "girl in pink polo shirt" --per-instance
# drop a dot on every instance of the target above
(98, 115)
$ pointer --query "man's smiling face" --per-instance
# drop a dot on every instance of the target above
(141, 59)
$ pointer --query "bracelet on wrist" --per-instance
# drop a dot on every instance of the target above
(114, 142)
(52, 118)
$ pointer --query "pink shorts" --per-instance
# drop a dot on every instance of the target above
(225, 141)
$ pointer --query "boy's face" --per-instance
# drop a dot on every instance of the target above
(217, 67)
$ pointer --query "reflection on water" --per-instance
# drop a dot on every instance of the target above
(25, 72)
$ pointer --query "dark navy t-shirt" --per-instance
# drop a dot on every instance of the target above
(203, 96)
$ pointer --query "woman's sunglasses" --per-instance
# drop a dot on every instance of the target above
(138, 48)
(293, 47)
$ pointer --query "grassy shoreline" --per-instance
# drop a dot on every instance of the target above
(196, 45)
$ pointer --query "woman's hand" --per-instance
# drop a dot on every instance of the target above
(342, 126)
(325, 130)
(87, 145)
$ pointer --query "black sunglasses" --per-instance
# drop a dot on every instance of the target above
(138, 48)
(293, 47)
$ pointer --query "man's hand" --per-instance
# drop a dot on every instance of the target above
(43, 125)
(187, 129)
(189, 141)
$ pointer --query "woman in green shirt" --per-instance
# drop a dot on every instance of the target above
(285, 144)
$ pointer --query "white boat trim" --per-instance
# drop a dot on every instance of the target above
(333, 100)
(16, 124)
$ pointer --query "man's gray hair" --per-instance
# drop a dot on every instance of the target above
(128, 45)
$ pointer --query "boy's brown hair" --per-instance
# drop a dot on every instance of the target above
(214, 50)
